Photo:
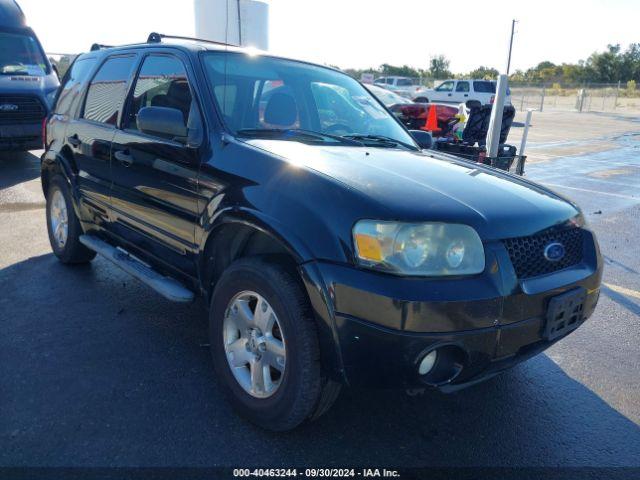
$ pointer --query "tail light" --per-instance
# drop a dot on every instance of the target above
(44, 132)
(492, 99)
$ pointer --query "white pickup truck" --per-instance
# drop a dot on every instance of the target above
(461, 91)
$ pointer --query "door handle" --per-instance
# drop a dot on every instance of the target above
(449, 94)
(466, 94)
(124, 157)
(74, 140)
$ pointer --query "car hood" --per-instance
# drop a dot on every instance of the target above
(417, 186)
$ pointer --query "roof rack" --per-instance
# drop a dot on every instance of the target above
(155, 37)
(99, 46)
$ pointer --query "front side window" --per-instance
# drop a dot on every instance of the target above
(108, 89)
(445, 87)
(162, 82)
(257, 94)
(462, 87)
(20, 54)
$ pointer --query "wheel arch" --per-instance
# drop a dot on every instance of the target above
(56, 163)
(241, 233)
(237, 233)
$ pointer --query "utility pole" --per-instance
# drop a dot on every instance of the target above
(513, 30)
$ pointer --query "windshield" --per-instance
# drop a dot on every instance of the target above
(21, 54)
(387, 97)
(258, 95)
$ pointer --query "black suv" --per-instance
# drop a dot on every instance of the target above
(330, 247)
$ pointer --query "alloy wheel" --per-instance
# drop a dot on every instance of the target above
(254, 344)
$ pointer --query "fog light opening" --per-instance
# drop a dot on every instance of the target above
(441, 365)
(428, 362)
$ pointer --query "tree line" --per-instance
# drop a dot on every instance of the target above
(612, 65)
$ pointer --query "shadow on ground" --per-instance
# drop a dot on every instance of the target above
(96, 370)
(18, 167)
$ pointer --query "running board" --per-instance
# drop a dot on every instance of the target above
(168, 287)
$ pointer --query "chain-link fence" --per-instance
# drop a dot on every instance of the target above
(588, 97)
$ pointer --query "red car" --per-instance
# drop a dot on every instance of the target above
(414, 115)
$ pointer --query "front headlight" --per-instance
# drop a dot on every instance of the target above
(420, 249)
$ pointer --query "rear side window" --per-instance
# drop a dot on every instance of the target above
(484, 86)
(462, 87)
(404, 82)
(77, 75)
(108, 89)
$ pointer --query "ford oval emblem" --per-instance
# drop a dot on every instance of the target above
(8, 107)
(554, 252)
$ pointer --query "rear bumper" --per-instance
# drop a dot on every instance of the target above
(385, 325)
(21, 137)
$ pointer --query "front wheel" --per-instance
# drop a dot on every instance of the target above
(63, 225)
(265, 346)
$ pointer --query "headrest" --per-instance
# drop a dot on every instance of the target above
(281, 110)
(179, 89)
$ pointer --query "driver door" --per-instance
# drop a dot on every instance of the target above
(154, 189)
(444, 92)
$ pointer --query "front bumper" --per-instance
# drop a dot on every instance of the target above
(21, 137)
(384, 325)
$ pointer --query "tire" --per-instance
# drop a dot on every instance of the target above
(302, 393)
(421, 100)
(69, 251)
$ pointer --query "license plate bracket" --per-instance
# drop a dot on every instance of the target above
(565, 313)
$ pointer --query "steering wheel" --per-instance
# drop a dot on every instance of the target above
(339, 129)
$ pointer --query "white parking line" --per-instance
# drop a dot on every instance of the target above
(629, 197)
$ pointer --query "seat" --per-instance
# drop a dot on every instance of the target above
(281, 110)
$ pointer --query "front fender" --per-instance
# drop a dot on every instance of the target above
(307, 269)
(261, 222)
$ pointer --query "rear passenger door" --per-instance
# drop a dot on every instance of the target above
(461, 93)
(154, 189)
(90, 135)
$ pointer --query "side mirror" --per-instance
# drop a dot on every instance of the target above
(422, 138)
(163, 121)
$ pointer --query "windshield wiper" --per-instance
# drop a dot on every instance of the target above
(378, 140)
(295, 134)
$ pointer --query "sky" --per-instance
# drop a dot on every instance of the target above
(366, 33)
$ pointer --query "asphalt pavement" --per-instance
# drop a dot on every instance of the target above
(96, 370)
